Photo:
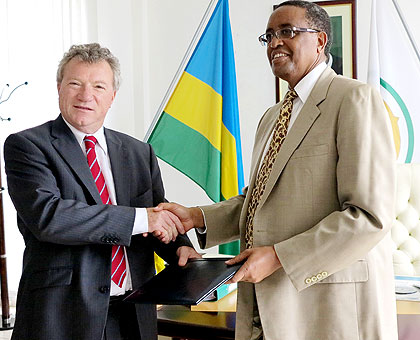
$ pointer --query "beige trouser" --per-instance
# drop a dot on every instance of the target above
(257, 331)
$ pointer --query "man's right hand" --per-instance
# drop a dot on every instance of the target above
(164, 225)
(189, 217)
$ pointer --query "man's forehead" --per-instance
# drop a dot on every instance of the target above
(79, 61)
(287, 16)
(79, 64)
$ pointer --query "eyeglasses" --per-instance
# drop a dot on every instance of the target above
(284, 33)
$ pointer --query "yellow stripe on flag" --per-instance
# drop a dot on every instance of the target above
(198, 106)
(229, 185)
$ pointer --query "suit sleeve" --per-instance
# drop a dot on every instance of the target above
(222, 220)
(365, 177)
(43, 212)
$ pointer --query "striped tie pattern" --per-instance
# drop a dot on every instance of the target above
(118, 267)
(279, 134)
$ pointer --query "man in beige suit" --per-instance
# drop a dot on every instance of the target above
(318, 261)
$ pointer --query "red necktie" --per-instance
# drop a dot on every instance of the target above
(118, 267)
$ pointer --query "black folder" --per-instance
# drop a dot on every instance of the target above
(187, 285)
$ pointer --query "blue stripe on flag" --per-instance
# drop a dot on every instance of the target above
(230, 116)
(206, 61)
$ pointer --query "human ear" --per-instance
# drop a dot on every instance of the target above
(322, 41)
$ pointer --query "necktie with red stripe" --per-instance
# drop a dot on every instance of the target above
(118, 266)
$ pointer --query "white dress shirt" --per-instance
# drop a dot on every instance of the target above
(141, 224)
(303, 90)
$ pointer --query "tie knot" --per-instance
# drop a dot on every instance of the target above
(290, 95)
(90, 141)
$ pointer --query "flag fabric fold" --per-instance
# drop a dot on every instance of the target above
(198, 131)
(394, 69)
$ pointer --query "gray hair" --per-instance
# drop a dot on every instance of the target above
(91, 53)
(316, 16)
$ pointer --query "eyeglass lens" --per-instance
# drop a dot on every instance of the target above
(284, 33)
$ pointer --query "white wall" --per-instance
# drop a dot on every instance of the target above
(150, 38)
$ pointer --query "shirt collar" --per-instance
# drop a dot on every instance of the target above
(99, 135)
(306, 84)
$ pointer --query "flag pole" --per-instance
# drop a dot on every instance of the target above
(184, 61)
(410, 36)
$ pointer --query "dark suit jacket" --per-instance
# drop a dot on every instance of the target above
(69, 233)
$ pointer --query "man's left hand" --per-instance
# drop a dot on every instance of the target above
(259, 263)
(185, 253)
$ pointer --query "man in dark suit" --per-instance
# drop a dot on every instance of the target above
(73, 219)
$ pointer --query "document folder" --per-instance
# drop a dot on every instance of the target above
(188, 285)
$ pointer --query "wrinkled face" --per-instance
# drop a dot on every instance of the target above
(292, 59)
(86, 93)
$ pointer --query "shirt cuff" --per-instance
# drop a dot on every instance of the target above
(141, 222)
(202, 230)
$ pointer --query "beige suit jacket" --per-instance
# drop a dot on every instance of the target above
(327, 209)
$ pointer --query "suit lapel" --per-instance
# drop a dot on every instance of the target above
(119, 163)
(300, 128)
(66, 145)
(261, 139)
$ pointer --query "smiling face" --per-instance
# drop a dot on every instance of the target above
(86, 93)
(292, 59)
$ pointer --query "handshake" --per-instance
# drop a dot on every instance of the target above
(167, 220)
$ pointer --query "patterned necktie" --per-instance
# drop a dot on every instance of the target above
(118, 267)
(279, 134)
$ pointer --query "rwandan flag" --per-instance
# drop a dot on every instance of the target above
(198, 130)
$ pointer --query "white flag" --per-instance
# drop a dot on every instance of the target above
(394, 68)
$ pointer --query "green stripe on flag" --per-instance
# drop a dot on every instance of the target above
(176, 143)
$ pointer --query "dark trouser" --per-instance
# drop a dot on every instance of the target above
(121, 323)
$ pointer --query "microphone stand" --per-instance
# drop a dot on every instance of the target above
(7, 319)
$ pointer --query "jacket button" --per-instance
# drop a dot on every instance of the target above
(104, 289)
